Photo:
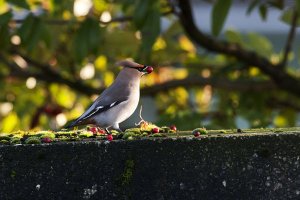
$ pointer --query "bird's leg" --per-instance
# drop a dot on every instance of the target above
(116, 127)
(107, 131)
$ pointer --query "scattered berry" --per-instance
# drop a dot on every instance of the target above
(155, 130)
(196, 133)
(199, 131)
(109, 137)
(46, 140)
(239, 130)
(94, 130)
(173, 128)
(101, 131)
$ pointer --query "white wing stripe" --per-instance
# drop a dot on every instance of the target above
(111, 105)
(96, 110)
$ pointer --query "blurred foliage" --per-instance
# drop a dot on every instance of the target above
(68, 42)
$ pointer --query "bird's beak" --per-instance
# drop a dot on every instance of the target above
(144, 68)
(147, 69)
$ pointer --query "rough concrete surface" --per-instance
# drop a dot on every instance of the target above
(263, 166)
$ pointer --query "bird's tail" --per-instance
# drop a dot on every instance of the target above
(70, 125)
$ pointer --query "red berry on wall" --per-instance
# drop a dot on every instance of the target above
(101, 131)
(46, 140)
(94, 130)
(109, 137)
(155, 130)
(196, 133)
(173, 128)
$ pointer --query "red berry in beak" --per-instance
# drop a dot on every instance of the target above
(149, 69)
(109, 137)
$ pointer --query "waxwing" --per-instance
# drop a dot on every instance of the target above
(118, 101)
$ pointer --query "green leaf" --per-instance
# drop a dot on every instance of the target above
(86, 39)
(5, 18)
(287, 16)
(260, 44)
(30, 32)
(233, 36)
(151, 28)
(26, 28)
(141, 12)
(252, 5)
(298, 6)
(4, 29)
(219, 14)
(276, 4)
(263, 11)
(126, 4)
(19, 3)
(46, 36)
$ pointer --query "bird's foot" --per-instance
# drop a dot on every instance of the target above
(107, 131)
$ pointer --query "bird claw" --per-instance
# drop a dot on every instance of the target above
(107, 131)
(142, 120)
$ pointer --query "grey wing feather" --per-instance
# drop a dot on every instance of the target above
(109, 98)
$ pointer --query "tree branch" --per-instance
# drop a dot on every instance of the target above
(280, 103)
(48, 76)
(290, 40)
(280, 77)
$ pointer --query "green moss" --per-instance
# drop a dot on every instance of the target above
(144, 134)
(278, 131)
(166, 129)
(19, 133)
(134, 130)
(114, 132)
(158, 135)
(4, 141)
(67, 133)
(202, 131)
(13, 174)
(127, 175)
(47, 134)
(130, 134)
(86, 134)
(5, 137)
(15, 140)
(69, 139)
(33, 140)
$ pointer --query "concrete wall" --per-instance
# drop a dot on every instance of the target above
(213, 167)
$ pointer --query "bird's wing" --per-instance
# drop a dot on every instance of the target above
(109, 98)
(99, 108)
